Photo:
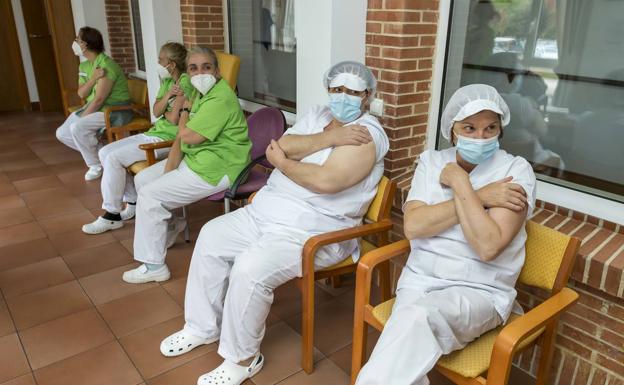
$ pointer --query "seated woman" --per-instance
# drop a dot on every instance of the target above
(102, 83)
(117, 183)
(327, 167)
(210, 150)
(465, 216)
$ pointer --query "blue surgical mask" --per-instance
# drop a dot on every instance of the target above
(476, 151)
(345, 108)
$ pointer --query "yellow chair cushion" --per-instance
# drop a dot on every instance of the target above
(545, 249)
(73, 108)
(375, 207)
(470, 361)
(137, 167)
(365, 247)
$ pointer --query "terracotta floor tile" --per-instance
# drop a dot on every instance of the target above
(59, 157)
(66, 223)
(108, 286)
(281, 348)
(74, 181)
(91, 200)
(333, 326)
(287, 300)
(75, 165)
(325, 372)
(41, 170)
(64, 337)
(6, 323)
(32, 309)
(75, 240)
(20, 233)
(128, 245)
(16, 216)
(188, 374)
(21, 164)
(35, 276)
(105, 365)
(7, 188)
(13, 362)
(342, 357)
(26, 379)
(126, 232)
(179, 259)
(11, 202)
(37, 183)
(20, 254)
(97, 259)
(138, 311)
(143, 348)
(51, 201)
(176, 289)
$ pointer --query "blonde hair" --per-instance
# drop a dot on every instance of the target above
(176, 52)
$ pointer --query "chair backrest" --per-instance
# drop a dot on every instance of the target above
(265, 124)
(229, 66)
(138, 92)
(550, 256)
(382, 203)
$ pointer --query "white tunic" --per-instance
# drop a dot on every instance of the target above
(447, 259)
(284, 202)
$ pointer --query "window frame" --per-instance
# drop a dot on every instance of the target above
(570, 198)
(139, 73)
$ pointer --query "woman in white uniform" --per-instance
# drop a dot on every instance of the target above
(464, 216)
(328, 166)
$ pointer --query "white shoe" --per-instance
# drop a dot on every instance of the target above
(94, 172)
(143, 275)
(229, 373)
(101, 225)
(182, 342)
(174, 229)
(128, 213)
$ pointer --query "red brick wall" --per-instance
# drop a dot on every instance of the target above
(202, 23)
(120, 33)
(400, 39)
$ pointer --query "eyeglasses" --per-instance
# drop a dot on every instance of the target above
(348, 91)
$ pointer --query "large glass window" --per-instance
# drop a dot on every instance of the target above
(262, 33)
(138, 37)
(559, 64)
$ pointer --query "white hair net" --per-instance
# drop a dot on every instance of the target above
(353, 75)
(470, 100)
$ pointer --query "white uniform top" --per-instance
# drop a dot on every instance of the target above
(284, 202)
(447, 259)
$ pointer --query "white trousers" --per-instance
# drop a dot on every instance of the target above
(117, 183)
(236, 265)
(424, 326)
(82, 134)
(158, 194)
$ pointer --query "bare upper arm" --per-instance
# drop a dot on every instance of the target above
(103, 88)
(509, 222)
(349, 165)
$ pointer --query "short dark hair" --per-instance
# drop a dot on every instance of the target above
(93, 38)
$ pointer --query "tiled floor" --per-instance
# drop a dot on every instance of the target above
(67, 318)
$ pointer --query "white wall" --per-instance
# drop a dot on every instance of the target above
(160, 22)
(91, 13)
(22, 36)
(327, 32)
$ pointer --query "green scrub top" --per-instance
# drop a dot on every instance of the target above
(218, 117)
(163, 128)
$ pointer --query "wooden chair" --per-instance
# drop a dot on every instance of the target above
(548, 263)
(140, 122)
(229, 66)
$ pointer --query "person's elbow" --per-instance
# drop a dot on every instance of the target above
(189, 137)
(323, 184)
(489, 249)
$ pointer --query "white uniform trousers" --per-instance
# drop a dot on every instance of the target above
(158, 194)
(82, 134)
(424, 326)
(117, 183)
(236, 265)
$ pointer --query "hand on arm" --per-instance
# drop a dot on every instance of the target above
(102, 90)
(160, 106)
(345, 167)
(297, 147)
(85, 89)
(188, 136)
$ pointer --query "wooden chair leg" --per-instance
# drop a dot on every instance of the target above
(307, 327)
(358, 354)
(384, 280)
(547, 348)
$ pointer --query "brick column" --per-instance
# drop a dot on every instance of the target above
(400, 40)
(202, 23)
(120, 34)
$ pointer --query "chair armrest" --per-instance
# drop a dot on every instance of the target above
(509, 339)
(314, 243)
(150, 149)
(242, 177)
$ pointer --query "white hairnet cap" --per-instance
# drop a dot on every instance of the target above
(470, 100)
(351, 74)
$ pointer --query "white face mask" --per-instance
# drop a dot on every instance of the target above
(76, 48)
(162, 72)
(203, 82)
